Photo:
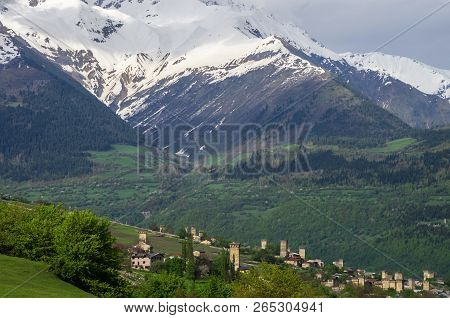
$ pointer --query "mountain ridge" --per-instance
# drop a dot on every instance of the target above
(119, 49)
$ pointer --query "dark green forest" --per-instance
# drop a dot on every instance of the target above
(46, 131)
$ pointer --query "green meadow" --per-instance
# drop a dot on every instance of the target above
(21, 278)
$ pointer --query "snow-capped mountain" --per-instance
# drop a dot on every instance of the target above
(425, 78)
(134, 54)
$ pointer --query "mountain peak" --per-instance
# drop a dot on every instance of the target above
(425, 78)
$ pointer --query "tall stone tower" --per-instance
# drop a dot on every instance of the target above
(302, 252)
(263, 244)
(193, 231)
(398, 276)
(142, 237)
(411, 283)
(399, 286)
(339, 263)
(235, 255)
(283, 248)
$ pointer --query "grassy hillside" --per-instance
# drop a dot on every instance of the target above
(23, 278)
(128, 236)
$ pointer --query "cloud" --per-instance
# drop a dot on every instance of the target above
(364, 25)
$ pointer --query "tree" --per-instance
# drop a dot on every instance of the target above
(36, 238)
(85, 255)
(222, 267)
(190, 261)
(182, 233)
(174, 266)
(161, 286)
(11, 220)
(183, 254)
(158, 267)
(272, 281)
(215, 288)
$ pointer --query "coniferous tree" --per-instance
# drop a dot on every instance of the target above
(190, 261)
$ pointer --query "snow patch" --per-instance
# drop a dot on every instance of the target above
(8, 51)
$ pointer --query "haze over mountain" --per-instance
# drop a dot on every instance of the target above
(209, 62)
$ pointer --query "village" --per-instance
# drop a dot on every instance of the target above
(142, 256)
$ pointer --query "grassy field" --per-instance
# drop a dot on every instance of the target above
(128, 236)
(394, 146)
(22, 278)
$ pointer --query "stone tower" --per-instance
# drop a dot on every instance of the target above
(235, 255)
(398, 276)
(263, 244)
(399, 286)
(302, 252)
(411, 283)
(283, 248)
(193, 231)
(142, 237)
(339, 263)
(428, 275)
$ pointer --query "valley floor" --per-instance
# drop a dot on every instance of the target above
(405, 221)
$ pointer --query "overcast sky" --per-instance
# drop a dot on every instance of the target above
(364, 25)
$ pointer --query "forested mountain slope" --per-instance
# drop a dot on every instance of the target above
(47, 124)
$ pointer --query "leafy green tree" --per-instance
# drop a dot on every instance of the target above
(222, 267)
(11, 221)
(85, 255)
(272, 281)
(182, 233)
(36, 238)
(214, 287)
(161, 286)
(174, 266)
(158, 267)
